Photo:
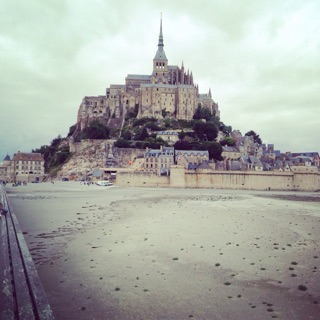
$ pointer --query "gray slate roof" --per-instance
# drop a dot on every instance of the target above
(138, 77)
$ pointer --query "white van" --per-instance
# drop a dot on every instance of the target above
(104, 183)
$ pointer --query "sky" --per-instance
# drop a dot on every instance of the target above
(259, 58)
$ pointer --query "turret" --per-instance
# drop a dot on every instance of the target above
(182, 73)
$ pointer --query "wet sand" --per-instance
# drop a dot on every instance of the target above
(153, 253)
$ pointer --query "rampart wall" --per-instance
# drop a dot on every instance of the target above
(179, 177)
(142, 179)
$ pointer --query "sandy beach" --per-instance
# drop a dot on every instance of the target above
(158, 253)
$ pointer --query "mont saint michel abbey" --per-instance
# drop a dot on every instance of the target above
(170, 89)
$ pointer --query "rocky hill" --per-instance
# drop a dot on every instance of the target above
(84, 161)
(89, 155)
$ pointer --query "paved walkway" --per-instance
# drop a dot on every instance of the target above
(22, 295)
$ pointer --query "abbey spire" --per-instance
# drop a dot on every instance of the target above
(160, 43)
(160, 61)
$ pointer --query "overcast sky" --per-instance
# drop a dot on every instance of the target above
(261, 60)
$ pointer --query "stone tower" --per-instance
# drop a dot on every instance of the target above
(160, 62)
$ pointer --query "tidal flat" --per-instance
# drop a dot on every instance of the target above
(160, 253)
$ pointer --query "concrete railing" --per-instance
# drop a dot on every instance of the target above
(22, 295)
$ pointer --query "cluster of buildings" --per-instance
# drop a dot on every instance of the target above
(23, 167)
(249, 155)
(158, 161)
(245, 155)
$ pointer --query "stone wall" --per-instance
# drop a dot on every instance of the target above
(240, 180)
(142, 179)
(179, 177)
(127, 154)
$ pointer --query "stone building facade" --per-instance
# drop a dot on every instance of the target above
(191, 158)
(168, 91)
(24, 167)
(158, 161)
(171, 137)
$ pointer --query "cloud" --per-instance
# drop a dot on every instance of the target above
(260, 59)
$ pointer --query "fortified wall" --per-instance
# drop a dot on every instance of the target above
(300, 179)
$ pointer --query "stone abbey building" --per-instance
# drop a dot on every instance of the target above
(169, 90)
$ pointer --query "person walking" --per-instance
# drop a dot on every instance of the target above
(3, 210)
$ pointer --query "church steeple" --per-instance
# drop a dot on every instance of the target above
(160, 43)
(160, 61)
(160, 55)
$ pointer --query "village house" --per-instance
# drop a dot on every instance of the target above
(230, 153)
(158, 161)
(24, 167)
(191, 159)
(171, 137)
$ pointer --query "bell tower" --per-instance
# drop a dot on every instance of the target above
(160, 61)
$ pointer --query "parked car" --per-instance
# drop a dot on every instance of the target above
(104, 183)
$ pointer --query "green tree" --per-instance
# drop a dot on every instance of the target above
(224, 128)
(206, 114)
(164, 112)
(181, 134)
(143, 121)
(211, 131)
(71, 130)
(199, 129)
(126, 134)
(202, 113)
(255, 136)
(197, 113)
(205, 130)
(56, 141)
(215, 150)
(122, 143)
(153, 143)
(132, 112)
(95, 130)
(229, 141)
(182, 145)
(144, 134)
